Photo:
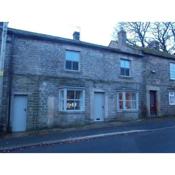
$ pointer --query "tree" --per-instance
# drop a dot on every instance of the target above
(143, 33)
(161, 32)
(137, 32)
(172, 28)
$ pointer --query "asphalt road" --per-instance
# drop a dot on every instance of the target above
(159, 141)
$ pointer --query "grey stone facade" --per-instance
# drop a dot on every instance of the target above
(35, 67)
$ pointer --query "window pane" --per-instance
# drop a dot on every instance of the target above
(75, 65)
(77, 94)
(133, 96)
(120, 96)
(120, 104)
(171, 98)
(125, 63)
(128, 105)
(172, 71)
(122, 71)
(77, 105)
(72, 56)
(70, 105)
(70, 94)
(128, 96)
(172, 74)
(69, 65)
(126, 72)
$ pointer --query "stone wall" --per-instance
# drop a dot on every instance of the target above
(157, 75)
(38, 71)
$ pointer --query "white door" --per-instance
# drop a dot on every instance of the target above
(99, 106)
(19, 113)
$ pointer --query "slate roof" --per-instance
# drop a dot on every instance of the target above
(149, 51)
(46, 37)
(40, 36)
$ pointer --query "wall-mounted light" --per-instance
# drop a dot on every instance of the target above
(153, 71)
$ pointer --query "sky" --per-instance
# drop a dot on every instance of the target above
(95, 19)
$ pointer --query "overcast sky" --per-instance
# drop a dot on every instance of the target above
(94, 18)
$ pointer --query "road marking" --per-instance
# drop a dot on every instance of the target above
(81, 138)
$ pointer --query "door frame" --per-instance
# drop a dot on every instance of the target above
(92, 101)
(157, 89)
(11, 107)
(154, 95)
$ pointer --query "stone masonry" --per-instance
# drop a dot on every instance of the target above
(34, 66)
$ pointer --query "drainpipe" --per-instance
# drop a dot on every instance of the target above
(2, 60)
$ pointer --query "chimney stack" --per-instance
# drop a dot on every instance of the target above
(154, 45)
(121, 38)
(76, 35)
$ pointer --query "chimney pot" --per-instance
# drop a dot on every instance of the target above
(76, 35)
(154, 45)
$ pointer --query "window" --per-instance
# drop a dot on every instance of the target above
(172, 71)
(72, 60)
(71, 100)
(125, 67)
(127, 101)
(171, 98)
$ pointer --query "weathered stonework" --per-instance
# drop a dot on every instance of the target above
(35, 67)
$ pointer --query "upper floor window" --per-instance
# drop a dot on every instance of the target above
(72, 60)
(171, 98)
(125, 67)
(172, 71)
(71, 99)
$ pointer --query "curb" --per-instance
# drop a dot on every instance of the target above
(81, 138)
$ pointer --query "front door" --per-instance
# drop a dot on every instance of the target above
(153, 103)
(99, 106)
(18, 117)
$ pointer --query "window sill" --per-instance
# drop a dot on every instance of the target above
(72, 71)
(128, 111)
(125, 77)
(73, 112)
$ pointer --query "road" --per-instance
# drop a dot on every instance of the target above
(156, 141)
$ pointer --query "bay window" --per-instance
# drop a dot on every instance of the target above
(127, 101)
(71, 100)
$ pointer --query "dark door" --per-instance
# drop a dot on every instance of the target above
(153, 103)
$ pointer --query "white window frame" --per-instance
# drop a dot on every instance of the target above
(64, 107)
(72, 70)
(172, 71)
(171, 94)
(124, 101)
(125, 59)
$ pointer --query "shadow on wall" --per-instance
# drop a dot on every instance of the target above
(144, 111)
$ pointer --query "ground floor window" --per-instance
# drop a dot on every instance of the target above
(71, 99)
(127, 101)
(171, 98)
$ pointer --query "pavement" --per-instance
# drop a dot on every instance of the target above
(12, 142)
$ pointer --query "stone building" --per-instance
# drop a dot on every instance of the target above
(50, 81)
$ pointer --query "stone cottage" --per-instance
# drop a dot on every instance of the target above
(49, 81)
